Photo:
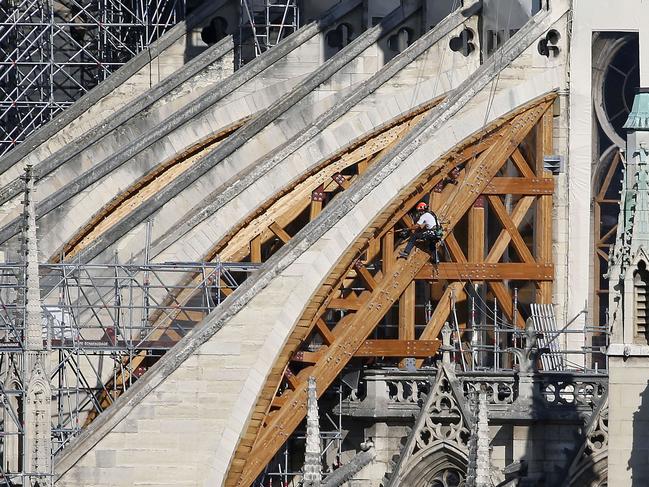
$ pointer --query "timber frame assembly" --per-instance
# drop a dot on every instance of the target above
(494, 198)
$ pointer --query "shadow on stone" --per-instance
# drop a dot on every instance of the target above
(638, 462)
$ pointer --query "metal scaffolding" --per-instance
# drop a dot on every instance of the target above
(106, 324)
(52, 52)
(263, 24)
(96, 320)
(285, 470)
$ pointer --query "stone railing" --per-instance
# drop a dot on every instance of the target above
(407, 390)
(397, 393)
(388, 393)
(501, 388)
(561, 390)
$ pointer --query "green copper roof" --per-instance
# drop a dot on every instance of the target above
(639, 116)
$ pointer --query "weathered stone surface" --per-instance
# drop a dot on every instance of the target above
(133, 79)
(280, 119)
(261, 313)
(77, 183)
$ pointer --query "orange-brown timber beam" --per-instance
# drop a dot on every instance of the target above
(345, 345)
(519, 244)
(500, 245)
(485, 271)
(501, 133)
(398, 348)
(543, 219)
(477, 230)
(407, 316)
(454, 292)
(485, 167)
(255, 249)
(520, 186)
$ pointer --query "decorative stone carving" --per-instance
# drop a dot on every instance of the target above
(589, 467)
(498, 391)
(435, 452)
(570, 391)
(554, 393)
(37, 408)
(407, 390)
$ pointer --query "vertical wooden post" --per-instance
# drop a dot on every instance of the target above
(362, 165)
(407, 315)
(255, 249)
(543, 217)
(373, 249)
(475, 252)
(597, 271)
(317, 197)
(435, 197)
(387, 249)
(477, 230)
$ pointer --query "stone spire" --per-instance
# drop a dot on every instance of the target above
(37, 411)
(632, 239)
(312, 463)
(33, 320)
(633, 232)
(628, 350)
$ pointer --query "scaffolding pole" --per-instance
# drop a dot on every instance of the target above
(263, 24)
(52, 52)
(96, 319)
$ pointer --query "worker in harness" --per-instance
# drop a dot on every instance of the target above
(426, 228)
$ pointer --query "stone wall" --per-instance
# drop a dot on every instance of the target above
(180, 423)
(628, 449)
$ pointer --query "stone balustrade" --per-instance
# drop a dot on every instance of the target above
(397, 393)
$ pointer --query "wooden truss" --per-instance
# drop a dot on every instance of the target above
(496, 203)
(261, 234)
(606, 204)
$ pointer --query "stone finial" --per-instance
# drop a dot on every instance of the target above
(446, 343)
(472, 464)
(312, 463)
(479, 467)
